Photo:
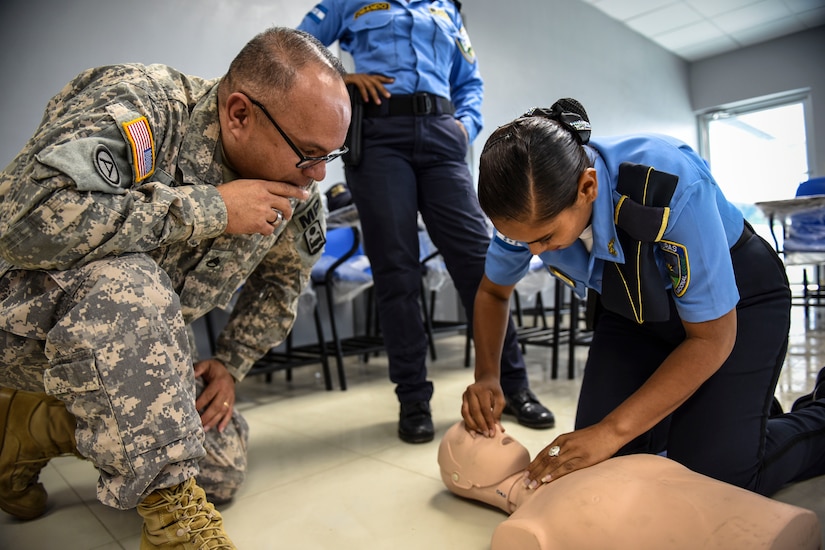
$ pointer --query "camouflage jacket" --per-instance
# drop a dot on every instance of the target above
(127, 159)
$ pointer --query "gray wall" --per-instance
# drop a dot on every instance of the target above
(531, 52)
(44, 43)
(785, 64)
(528, 55)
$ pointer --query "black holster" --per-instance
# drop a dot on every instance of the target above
(353, 142)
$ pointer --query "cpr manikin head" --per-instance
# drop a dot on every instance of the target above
(482, 468)
(632, 502)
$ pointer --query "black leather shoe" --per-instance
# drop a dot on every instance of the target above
(415, 423)
(818, 393)
(525, 406)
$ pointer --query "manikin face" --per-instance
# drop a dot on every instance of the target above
(468, 461)
(561, 231)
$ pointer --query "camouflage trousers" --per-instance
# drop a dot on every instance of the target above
(108, 339)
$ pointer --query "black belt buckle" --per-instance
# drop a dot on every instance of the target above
(422, 104)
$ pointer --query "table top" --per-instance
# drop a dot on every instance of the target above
(791, 206)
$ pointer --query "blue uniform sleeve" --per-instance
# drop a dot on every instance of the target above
(507, 261)
(695, 253)
(466, 85)
(324, 21)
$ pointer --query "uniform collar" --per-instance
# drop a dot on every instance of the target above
(200, 159)
(605, 240)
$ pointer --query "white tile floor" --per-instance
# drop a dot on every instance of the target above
(327, 470)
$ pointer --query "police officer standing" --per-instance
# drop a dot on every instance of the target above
(417, 75)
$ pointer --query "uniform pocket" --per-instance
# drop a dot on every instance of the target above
(211, 284)
(76, 375)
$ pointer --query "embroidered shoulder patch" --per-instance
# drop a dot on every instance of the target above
(463, 42)
(318, 13)
(371, 7)
(678, 266)
(106, 166)
(143, 147)
(507, 242)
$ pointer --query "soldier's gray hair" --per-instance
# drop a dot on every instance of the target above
(267, 65)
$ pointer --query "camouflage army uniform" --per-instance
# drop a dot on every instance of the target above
(111, 242)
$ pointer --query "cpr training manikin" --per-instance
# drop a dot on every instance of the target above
(633, 502)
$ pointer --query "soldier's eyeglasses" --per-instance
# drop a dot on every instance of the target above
(305, 162)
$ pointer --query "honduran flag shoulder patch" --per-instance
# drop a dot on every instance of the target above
(318, 13)
(506, 242)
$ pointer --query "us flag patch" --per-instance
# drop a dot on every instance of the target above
(143, 147)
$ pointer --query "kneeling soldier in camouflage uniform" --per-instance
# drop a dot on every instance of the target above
(145, 199)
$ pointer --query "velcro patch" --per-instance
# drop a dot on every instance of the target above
(678, 267)
(140, 140)
(308, 215)
(314, 238)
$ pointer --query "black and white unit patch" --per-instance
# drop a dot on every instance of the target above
(105, 164)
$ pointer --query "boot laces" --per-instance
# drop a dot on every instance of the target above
(195, 519)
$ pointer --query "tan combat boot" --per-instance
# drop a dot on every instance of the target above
(34, 428)
(181, 518)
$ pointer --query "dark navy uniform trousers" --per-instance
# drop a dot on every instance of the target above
(723, 430)
(414, 164)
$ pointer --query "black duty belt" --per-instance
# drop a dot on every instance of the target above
(418, 104)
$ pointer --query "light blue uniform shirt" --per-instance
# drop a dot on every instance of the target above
(421, 44)
(702, 226)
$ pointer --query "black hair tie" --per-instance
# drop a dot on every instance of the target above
(570, 114)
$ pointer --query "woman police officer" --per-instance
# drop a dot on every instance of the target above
(693, 313)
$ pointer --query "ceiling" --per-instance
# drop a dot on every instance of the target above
(696, 29)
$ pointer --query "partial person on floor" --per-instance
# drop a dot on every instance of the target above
(692, 312)
(418, 86)
(35, 427)
(633, 502)
(145, 199)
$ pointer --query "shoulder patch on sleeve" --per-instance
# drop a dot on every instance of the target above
(506, 242)
(678, 266)
(463, 42)
(96, 163)
(139, 135)
(318, 13)
(106, 165)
